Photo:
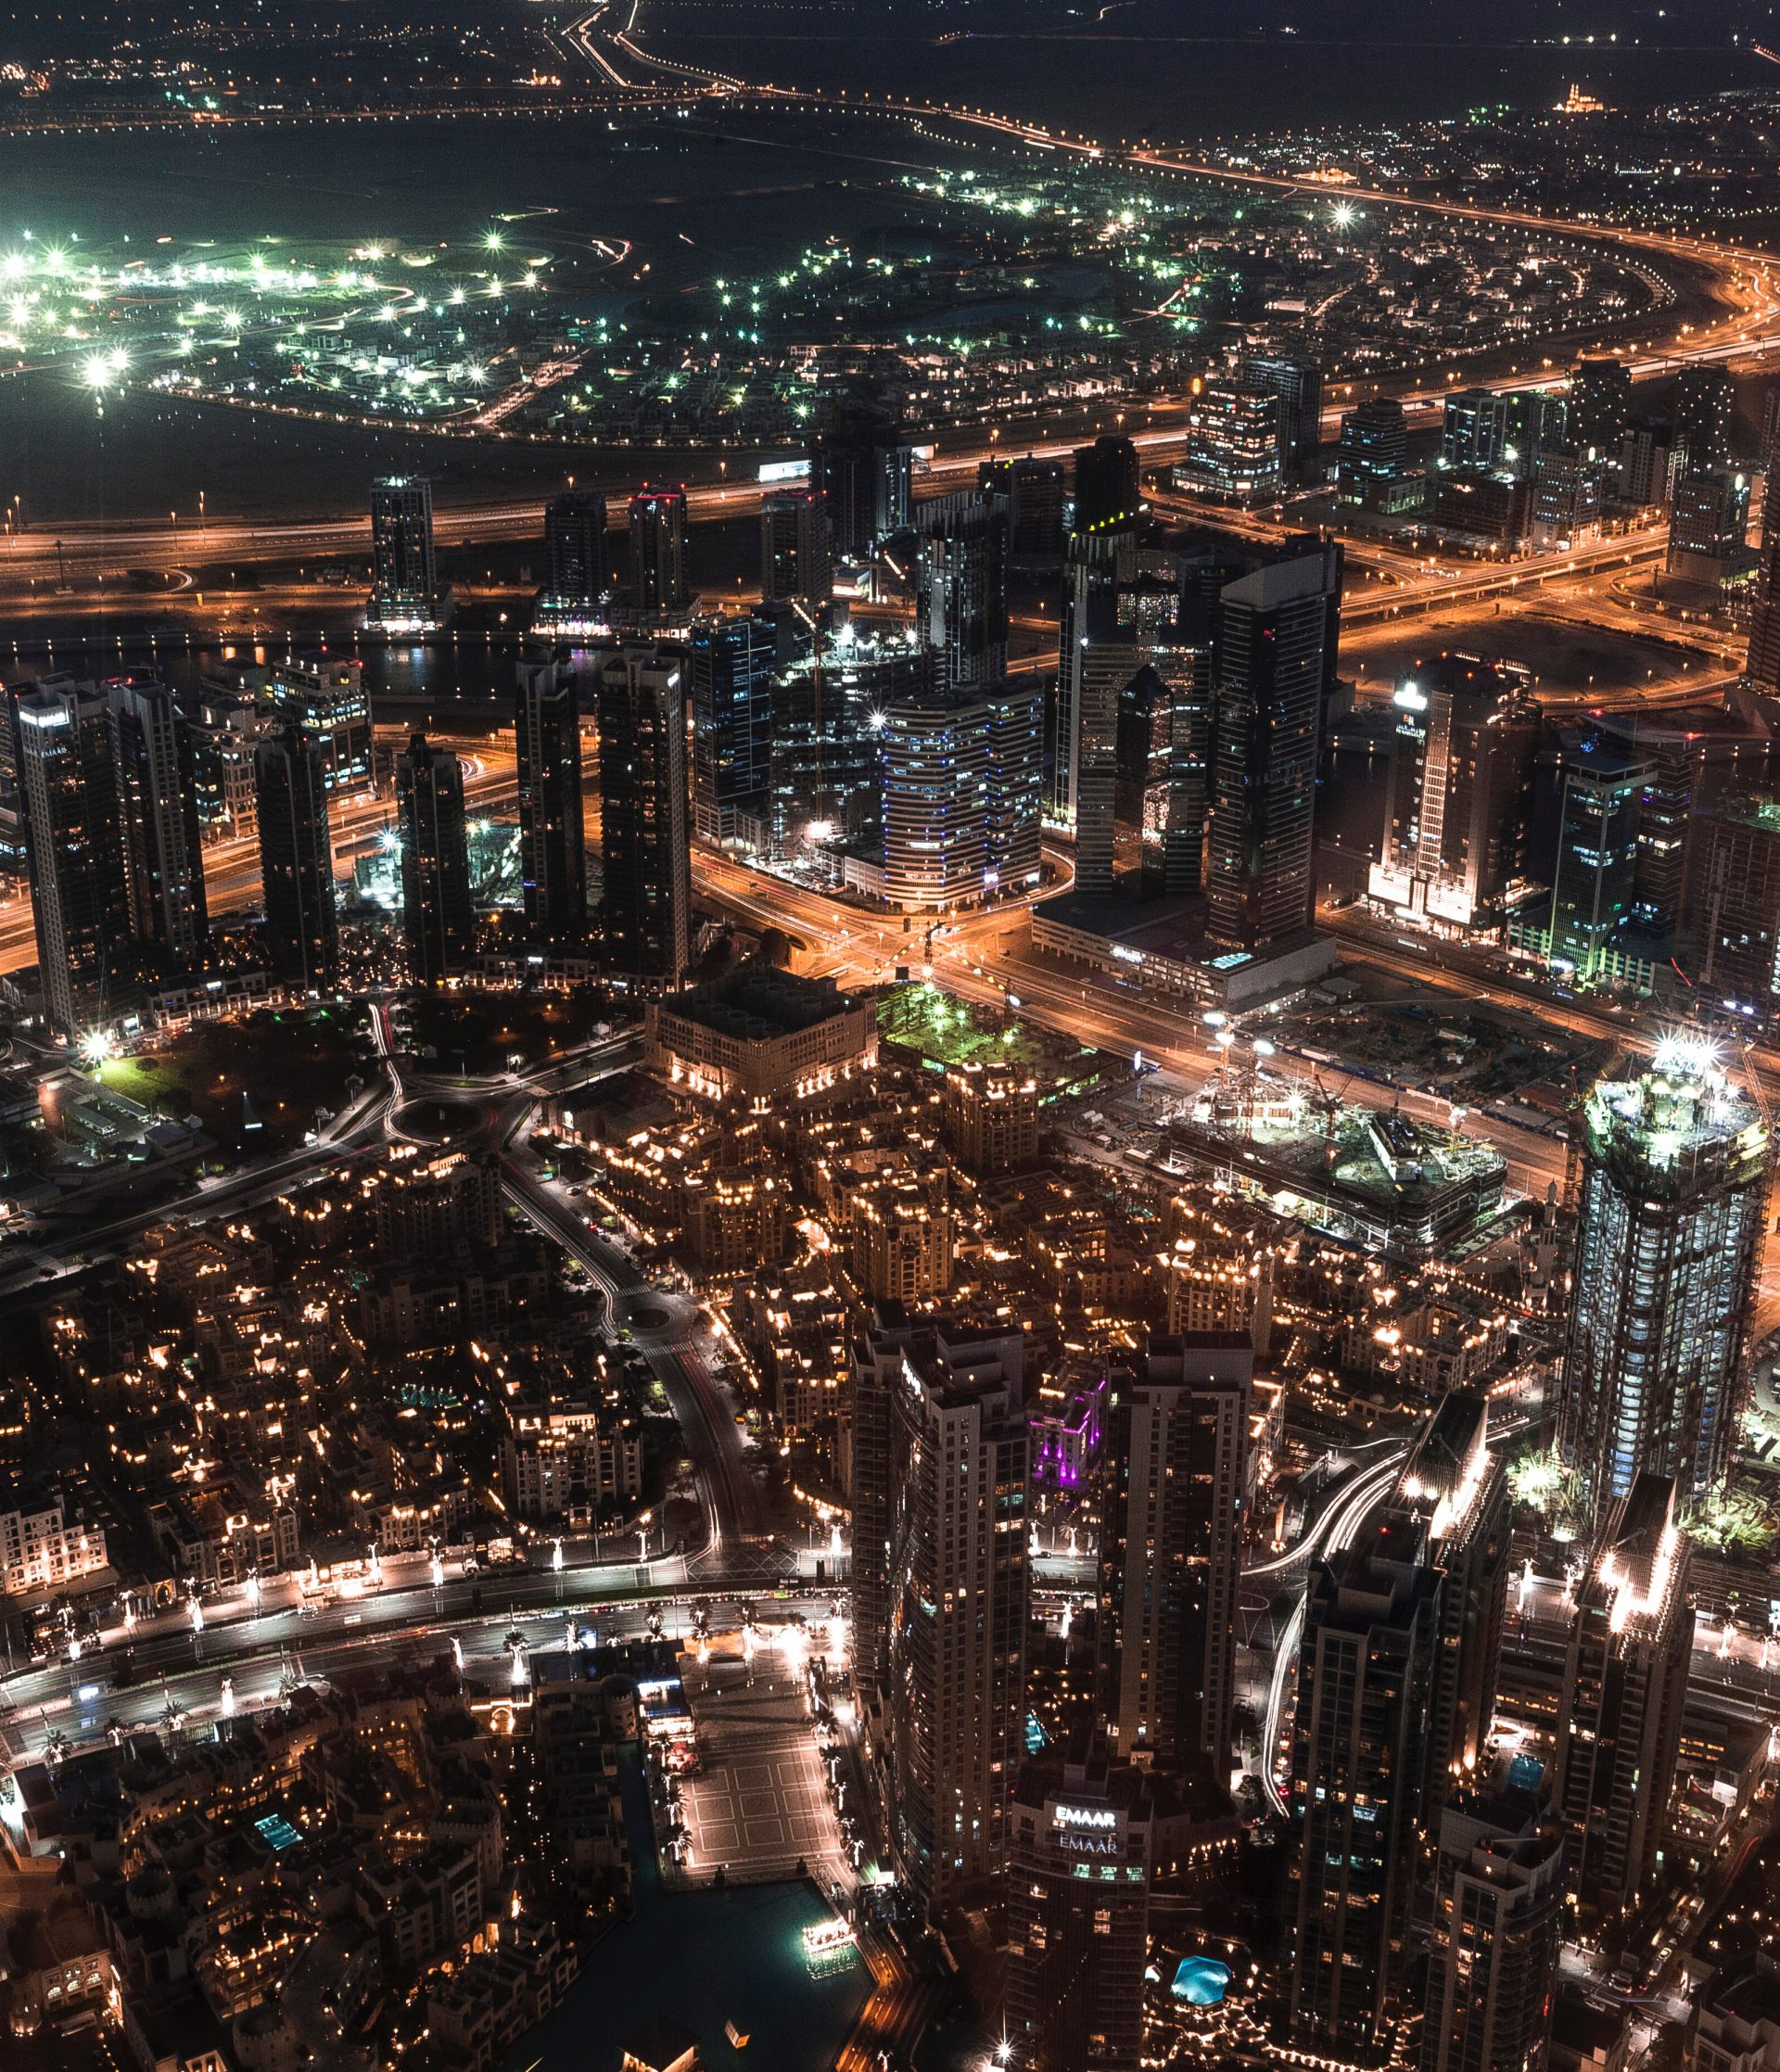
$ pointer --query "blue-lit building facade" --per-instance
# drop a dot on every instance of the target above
(1669, 1229)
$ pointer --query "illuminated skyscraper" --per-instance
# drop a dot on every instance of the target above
(1709, 524)
(1233, 444)
(439, 921)
(1014, 798)
(1277, 640)
(1730, 941)
(1173, 1463)
(658, 552)
(1619, 1723)
(935, 789)
(1498, 1922)
(157, 780)
(1096, 656)
(1079, 1859)
(325, 697)
(1762, 667)
(575, 573)
(643, 802)
(1456, 1490)
(734, 663)
(1374, 452)
(1365, 1669)
(1669, 1232)
(553, 840)
(1591, 851)
(1705, 415)
(404, 570)
(943, 1585)
(962, 588)
(68, 788)
(296, 859)
(1461, 797)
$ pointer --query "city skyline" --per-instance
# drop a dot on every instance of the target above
(889, 1007)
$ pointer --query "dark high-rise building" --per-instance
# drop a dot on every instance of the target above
(439, 921)
(1173, 1466)
(658, 552)
(860, 465)
(1456, 1491)
(1697, 756)
(1366, 1671)
(734, 664)
(1298, 385)
(68, 789)
(962, 588)
(1460, 790)
(552, 838)
(643, 802)
(942, 1558)
(1037, 494)
(1275, 659)
(1080, 1852)
(1498, 1921)
(157, 783)
(1762, 667)
(1730, 942)
(1566, 509)
(1374, 452)
(1590, 852)
(296, 859)
(1536, 424)
(1095, 657)
(575, 572)
(1705, 415)
(1619, 1722)
(404, 570)
(797, 557)
(1709, 524)
(1109, 496)
(1668, 1240)
(1600, 404)
(1473, 428)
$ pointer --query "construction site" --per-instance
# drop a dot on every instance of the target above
(1361, 1176)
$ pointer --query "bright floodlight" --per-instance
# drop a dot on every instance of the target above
(99, 372)
(1345, 215)
(495, 241)
(1692, 1055)
(96, 1045)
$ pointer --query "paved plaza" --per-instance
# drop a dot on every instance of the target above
(760, 1802)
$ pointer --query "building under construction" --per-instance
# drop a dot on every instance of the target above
(1363, 1175)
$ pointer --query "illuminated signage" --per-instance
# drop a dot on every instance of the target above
(1084, 1816)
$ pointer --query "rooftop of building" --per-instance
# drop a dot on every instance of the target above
(1747, 1990)
(759, 1003)
(1661, 1121)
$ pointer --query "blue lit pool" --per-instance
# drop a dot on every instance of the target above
(1201, 1981)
